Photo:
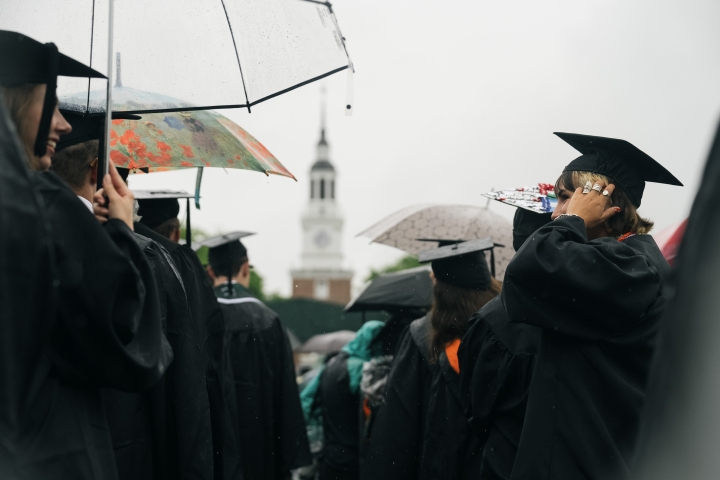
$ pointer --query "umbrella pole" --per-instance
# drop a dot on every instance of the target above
(363, 317)
(492, 261)
(105, 165)
(188, 234)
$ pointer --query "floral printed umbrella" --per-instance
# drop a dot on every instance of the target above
(163, 141)
(200, 138)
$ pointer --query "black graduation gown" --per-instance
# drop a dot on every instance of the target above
(265, 401)
(95, 338)
(421, 431)
(165, 433)
(207, 315)
(497, 359)
(340, 411)
(599, 304)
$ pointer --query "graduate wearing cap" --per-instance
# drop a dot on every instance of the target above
(263, 397)
(421, 430)
(159, 222)
(497, 359)
(164, 432)
(595, 283)
(102, 286)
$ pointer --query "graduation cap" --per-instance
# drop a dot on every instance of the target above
(442, 242)
(225, 249)
(159, 206)
(461, 264)
(24, 60)
(628, 166)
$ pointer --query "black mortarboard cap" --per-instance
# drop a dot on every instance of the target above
(461, 264)
(226, 250)
(224, 239)
(24, 60)
(627, 166)
(156, 211)
(87, 127)
(148, 196)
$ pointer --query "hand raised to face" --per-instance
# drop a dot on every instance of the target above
(593, 203)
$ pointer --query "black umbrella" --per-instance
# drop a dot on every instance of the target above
(406, 289)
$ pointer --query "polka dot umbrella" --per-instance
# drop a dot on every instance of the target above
(403, 228)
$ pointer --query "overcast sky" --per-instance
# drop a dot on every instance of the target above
(455, 97)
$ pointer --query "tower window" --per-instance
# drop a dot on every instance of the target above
(312, 188)
(322, 188)
(332, 189)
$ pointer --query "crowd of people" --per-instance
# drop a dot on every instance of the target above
(123, 357)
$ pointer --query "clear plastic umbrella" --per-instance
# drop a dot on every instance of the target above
(209, 53)
(403, 228)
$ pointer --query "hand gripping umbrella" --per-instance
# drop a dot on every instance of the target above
(403, 228)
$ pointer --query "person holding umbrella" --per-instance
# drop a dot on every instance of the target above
(421, 430)
(164, 432)
(91, 335)
(596, 285)
(258, 369)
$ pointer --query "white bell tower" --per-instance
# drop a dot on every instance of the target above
(321, 276)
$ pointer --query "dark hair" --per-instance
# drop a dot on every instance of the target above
(627, 220)
(221, 264)
(452, 308)
(167, 228)
(72, 164)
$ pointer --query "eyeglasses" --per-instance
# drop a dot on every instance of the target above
(93, 163)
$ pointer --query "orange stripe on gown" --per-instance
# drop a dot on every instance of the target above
(451, 351)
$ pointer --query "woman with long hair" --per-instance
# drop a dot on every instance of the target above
(91, 334)
(421, 430)
(596, 285)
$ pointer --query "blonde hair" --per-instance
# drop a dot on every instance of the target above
(626, 220)
(18, 100)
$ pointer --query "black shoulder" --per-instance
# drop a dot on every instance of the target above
(250, 315)
(421, 330)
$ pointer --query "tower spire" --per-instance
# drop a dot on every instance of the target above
(323, 113)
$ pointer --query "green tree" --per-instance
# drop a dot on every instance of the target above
(256, 285)
(408, 261)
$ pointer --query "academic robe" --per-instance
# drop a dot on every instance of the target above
(265, 401)
(207, 315)
(90, 335)
(497, 359)
(599, 304)
(165, 433)
(341, 422)
(421, 431)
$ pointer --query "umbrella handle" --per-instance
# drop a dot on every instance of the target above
(105, 165)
